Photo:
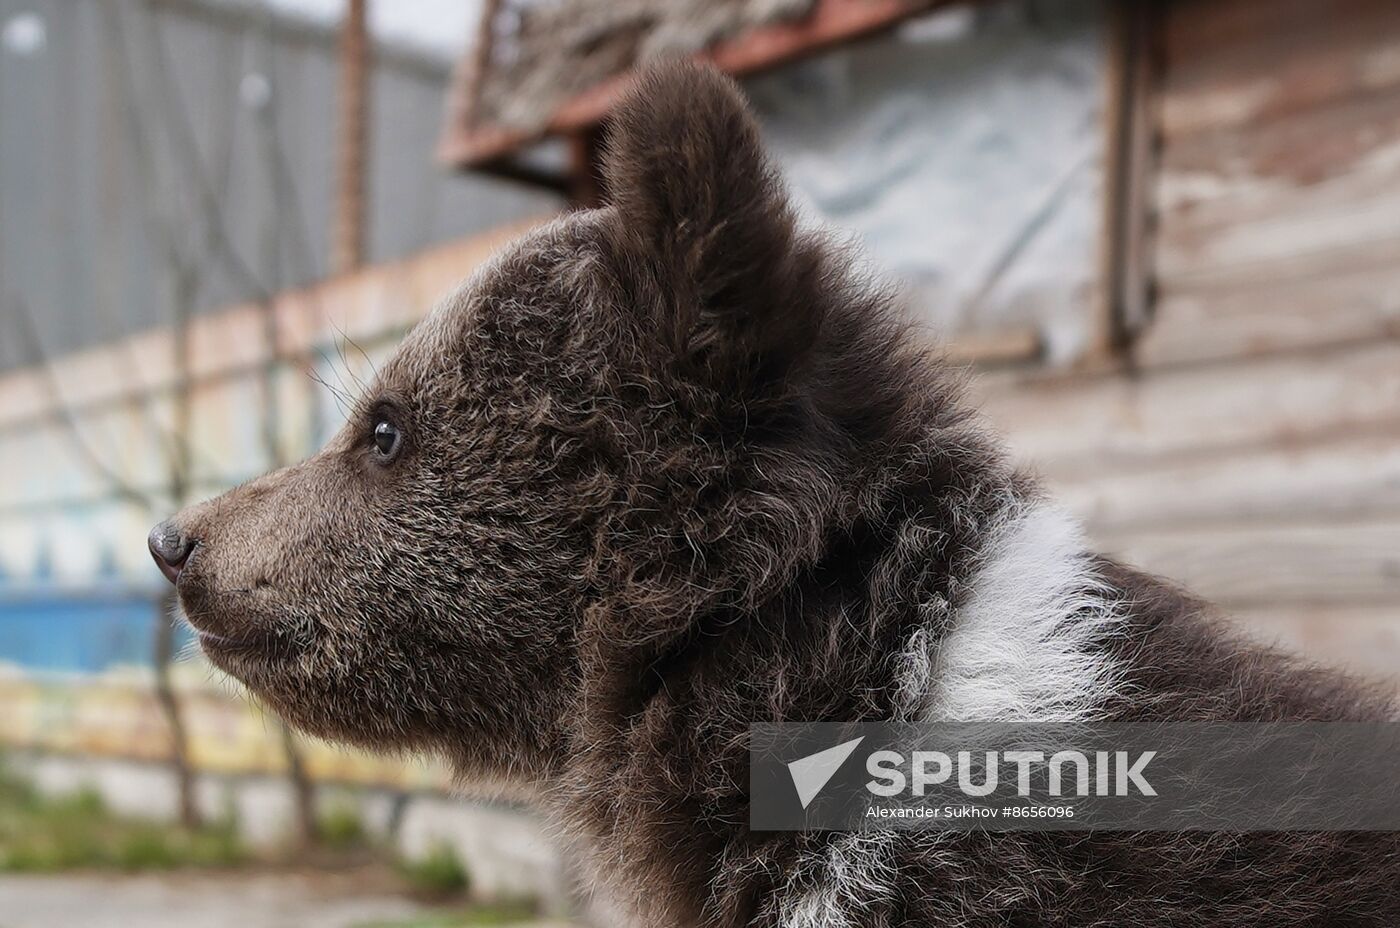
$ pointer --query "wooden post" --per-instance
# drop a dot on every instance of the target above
(348, 241)
(585, 178)
(1130, 142)
(478, 65)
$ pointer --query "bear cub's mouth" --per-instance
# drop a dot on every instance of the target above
(238, 651)
(228, 623)
(242, 644)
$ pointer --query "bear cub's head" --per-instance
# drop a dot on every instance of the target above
(634, 416)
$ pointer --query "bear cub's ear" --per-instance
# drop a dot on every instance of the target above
(693, 190)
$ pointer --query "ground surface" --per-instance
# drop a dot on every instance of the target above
(203, 900)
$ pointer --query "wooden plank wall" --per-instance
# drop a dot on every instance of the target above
(1252, 446)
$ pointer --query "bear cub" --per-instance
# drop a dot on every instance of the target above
(673, 466)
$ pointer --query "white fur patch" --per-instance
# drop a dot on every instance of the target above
(838, 887)
(1024, 644)
(1023, 647)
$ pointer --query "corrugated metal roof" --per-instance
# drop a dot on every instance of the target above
(134, 125)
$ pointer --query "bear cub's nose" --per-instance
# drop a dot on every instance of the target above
(170, 548)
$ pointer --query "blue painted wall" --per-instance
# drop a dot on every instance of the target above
(82, 631)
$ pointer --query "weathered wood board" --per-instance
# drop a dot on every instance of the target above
(1336, 305)
(1256, 566)
(1250, 449)
(1278, 196)
(1079, 428)
(1327, 482)
(1361, 639)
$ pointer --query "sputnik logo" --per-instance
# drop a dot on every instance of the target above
(811, 773)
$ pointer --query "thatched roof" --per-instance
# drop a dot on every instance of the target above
(555, 65)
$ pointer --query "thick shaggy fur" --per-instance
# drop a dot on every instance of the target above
(671, 467)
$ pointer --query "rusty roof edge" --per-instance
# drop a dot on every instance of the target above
(831, 23)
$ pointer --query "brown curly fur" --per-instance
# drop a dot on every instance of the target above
(671, 467)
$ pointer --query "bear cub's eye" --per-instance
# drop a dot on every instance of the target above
(387, 439)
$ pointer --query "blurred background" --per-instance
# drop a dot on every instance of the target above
(1163, 234)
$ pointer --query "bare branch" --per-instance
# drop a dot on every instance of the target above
(97, 462)
(181, 131)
